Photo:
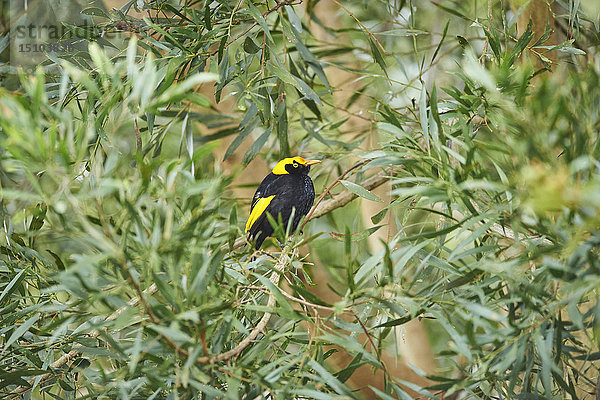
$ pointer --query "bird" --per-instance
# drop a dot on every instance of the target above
(287, 187)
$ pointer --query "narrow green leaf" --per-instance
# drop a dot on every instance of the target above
(377, 218)
(345, 374)
(423, 119)
(349, 261)
(250, 46)
(293, 18)
(222, 44)
(331, 380)
(65, 386)
(150, 117)
(175, 93)
(207, 15)
(240, 138)
(439, 46)
(24, 327)
(282, 124)
(59, 264)
(286, 310)
(171, 332)
(217, 135)
(360, 191)
(395, 322)
(377, 56)
(309, 296)
(494, 41)
(259, 19)
(175, 11)
(95, 11)
(282, 73)
(519, 47)
(198, 99)
(4, 41)
(256, 146)
(433, 106)
(453, 11)
(12, 285)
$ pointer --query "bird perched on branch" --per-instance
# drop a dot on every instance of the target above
(287, 187)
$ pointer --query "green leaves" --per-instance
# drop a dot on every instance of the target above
(118, 272)
(256, 146)
(20, 330)
(516, 51)
(12, 285)
(360, 191)
(175, 93)
(377, 55)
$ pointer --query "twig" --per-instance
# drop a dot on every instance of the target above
(231, 18)
(138, 137)
(326, 206)
(346, 197)
(269, 11)
(362, 26)
(139, 292)
(339, 178)
(279, 267)
(375, 349)
(148, 309)
(308, 303)
(319, 210)
(65, 358)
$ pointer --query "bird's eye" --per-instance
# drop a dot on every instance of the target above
(295, 164)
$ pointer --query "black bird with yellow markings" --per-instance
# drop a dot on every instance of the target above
(287, 187)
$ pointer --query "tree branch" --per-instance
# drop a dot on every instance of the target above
(346, 197)
(339, 178)
(265, 14)
(65, 358)
(279, 267)
(325, 207)
(319, 209)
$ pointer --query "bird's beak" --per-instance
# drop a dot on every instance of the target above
(312, 162)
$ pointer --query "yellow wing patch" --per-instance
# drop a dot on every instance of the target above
(259, 208)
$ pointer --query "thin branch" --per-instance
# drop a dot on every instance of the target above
(65, 358)
(339, 178)
(320, 209)
(307, 303)
(375, 349)
(231, 17)
(346, 197)
(326, 206)
(139, 292)
(266, 13)
(138, 137)
(362, 26)
(279, 267)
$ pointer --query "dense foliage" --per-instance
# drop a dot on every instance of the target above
(120, 273)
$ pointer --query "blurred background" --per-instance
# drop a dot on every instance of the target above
(130, 154)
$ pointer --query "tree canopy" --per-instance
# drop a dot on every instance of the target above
(460, 207)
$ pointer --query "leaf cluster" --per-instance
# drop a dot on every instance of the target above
(118, 278)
